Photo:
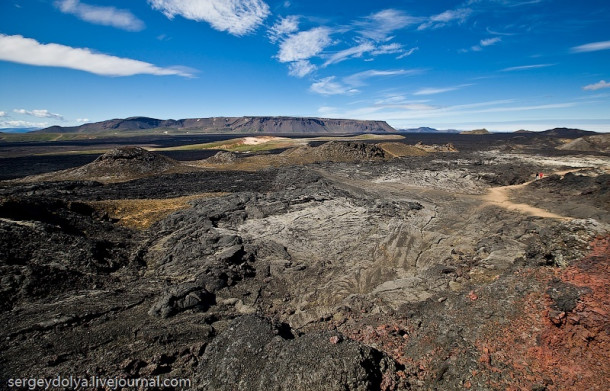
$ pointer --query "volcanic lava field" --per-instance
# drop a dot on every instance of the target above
(354, 264)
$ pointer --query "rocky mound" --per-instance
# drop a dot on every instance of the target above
(120, 164)
(222, 157)
(584, 194)
(125, 162)
(567, 132)
(336, 151)
(449, 147)
(597, 143)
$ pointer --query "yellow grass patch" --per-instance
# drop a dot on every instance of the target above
(142, 213)
(400, 149)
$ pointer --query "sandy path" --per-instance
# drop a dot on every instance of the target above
(500, 196)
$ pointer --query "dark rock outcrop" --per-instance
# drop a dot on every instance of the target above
(252, 354)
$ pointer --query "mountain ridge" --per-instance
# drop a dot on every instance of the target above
(246, 124)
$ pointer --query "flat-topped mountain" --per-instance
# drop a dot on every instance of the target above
(231, 125)
(476, 131)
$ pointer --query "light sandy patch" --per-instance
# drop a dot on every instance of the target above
(500, 196)
(262, 140)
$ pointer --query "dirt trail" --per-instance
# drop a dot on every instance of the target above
(501, 196)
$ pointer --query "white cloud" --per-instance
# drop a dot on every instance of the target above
(444, 18)
(357, 79)
(39, 113)
(597, 86)
(23, 124)
(433, 91)
(380, 25)
(301, 68)
(526, 67)
(107, 16)
(592, 47)
(490, 41)
(16, 48)
(2, 113)
(482, 43)
(237, 17)
(304, 45)
(327, 86)
(82, 120)
(283, 27)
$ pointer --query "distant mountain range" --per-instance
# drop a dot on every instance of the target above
(556, 132)
(425, 129)
(277, 125)
(231, 125)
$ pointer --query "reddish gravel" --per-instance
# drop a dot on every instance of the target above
(558, 350)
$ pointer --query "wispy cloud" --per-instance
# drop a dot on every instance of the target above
(301, 68)
(39, 113)
(16, 48)
(391, 48)
(82, 120)
(237, 17)
(407, 53)
(283, 27)
(106, 16)
(370, 48)
(347, 86)
(505, 3)
(434, 91)
(380, 25)
(597, 86)
(328, 86)
(422, 111)
(2, 113)
(440, 20)
(357, 79)
(353, 52)
(591, 47)
(526, 67)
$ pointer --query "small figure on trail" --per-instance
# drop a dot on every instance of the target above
(537, 175)
(540, 175)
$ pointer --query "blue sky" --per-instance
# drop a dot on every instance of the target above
(499, 64)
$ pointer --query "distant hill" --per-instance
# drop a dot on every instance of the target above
(567, 132)
(522, 131)
(231, 125)
(476, 131)
(425, 129)
(17, 130)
